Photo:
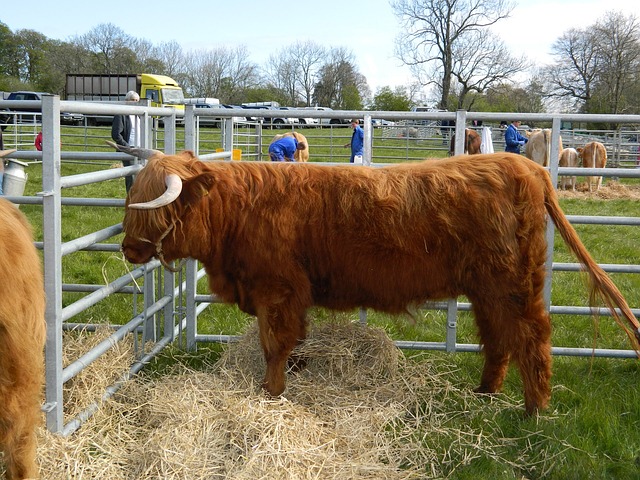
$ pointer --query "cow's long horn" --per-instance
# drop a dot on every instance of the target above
(4, 153)
(174, 187)
(135, 151)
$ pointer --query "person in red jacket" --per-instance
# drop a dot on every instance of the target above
(38, 142)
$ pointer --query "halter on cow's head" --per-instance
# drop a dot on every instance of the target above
(154, 206)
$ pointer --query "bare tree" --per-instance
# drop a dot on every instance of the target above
(147, 56)
(598, 68)
(618, 40)
(294, 70)
(480, 60)
(171, 56)
(433, 29)
(574, 73)
(281, 74)
(222, 73)
(308, 58)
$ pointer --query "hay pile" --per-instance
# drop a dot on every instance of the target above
(360, 410)
(608, 191)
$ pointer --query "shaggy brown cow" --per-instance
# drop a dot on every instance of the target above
(22, 337)
(300, 155)
(278, 238)
(538, 147)
(593, 155)
(568, 158)
(472, 142)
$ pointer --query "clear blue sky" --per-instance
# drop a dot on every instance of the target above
(367, 27)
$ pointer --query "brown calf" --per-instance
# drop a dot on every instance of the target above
(568, 158)
(472, 142)
(593, 155)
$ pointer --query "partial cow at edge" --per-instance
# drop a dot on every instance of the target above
(22, 338)
(279, 238)
(593, 155)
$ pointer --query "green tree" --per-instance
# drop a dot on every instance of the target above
(387, 99)
(9, 56)
(340, 85)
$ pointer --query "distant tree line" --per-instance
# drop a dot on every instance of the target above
(302, 74)
(448, 45)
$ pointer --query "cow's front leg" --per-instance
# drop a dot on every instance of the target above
(282, 327)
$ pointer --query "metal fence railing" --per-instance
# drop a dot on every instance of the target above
(165, 304)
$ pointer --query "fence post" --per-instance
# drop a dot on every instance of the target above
(461, 120)
(52, 247)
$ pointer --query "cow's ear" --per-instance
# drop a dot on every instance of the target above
(196, 187)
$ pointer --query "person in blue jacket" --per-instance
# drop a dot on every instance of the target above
(512, 138)
(283, 149)
(357, 140)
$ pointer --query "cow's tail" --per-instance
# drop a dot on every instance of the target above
(547, 142)
(600, 285)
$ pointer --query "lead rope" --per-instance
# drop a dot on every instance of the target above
(159, 252)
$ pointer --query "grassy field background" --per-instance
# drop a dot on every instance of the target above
(592, 429)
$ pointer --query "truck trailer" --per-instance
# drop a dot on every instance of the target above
(161, 90)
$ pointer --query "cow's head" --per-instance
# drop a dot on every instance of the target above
(162, 192)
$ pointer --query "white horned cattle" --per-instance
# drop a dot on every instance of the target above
(277, 238)
(538, 148)
(22, 337)
(568, 158)
(593, 155)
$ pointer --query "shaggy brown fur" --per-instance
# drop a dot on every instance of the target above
(593, 155)
(22, 337)
(472, 142)
(278, 238)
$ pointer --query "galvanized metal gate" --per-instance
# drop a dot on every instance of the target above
(167, 306)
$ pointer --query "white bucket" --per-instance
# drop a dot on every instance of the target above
(357, 159)
(14, 179)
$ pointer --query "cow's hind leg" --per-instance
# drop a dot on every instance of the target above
(19, 418)
(515, 328)
(281, 329)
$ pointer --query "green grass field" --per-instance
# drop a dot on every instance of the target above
(592, 429)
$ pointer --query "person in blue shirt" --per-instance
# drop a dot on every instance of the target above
(512, 138)
(283, 149)
(357, 140)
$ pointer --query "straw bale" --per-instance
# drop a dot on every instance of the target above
(609, 191)
(359, 410)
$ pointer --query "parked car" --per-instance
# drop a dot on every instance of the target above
(381, 122)
(32, 115)
(328, 121)
(307, 121)
(272, 119)
(207, 120)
